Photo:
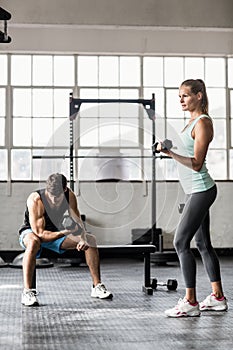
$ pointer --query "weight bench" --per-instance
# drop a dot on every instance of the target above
(126, 250)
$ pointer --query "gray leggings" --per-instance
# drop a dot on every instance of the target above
(195, 222)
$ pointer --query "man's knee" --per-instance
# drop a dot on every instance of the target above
(32, 242)
(91, 240)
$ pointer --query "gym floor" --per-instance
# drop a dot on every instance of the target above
(68, 318)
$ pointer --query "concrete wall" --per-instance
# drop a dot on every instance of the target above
(129, 26)
(114, 209)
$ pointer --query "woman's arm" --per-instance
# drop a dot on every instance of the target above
(202, 135)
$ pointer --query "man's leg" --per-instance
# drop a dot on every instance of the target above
(92, 259)
(91, 254)
(31, 244)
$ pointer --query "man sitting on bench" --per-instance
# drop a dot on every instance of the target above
(43, 228)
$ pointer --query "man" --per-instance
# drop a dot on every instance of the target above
(43, 228)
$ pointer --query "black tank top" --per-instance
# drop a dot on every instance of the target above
(53, 216)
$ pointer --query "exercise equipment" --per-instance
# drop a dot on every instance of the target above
(4, 16)
(166, 145)
(181, 207)
(40, 262)
(3, 263)
(171, 284)
(144, 250)
(149, 107)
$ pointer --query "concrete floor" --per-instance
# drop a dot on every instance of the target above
(68, 318)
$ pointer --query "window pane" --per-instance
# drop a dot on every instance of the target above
(87, 70)
(89, 108)
(129, 71)
(61, 102)
(173, 69)
(215, 72)
(22, 132)
(129, 129)
(129, 110)
(231, 133)
(217, 102)
(231, 164)
(3, 164)
(194, 68)
(42, 168)
(42, 102)
(129, 93)
(22, 105)
(2, 131)
(109, 109)
(2, 102)
(21, 70)
(64, 70)
(109, 93)
(108, 71)
(21, 164)
(231, 115)
(88, 132)
(42, 73)
(216, 163)
(159, 99)
(173, 107)
(230, 72)
(3, 69)
(61, 132)
(109, 133)
(220, 138)
(153, 71)
(42, 131)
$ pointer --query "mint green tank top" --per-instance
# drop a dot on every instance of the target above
(192, 181)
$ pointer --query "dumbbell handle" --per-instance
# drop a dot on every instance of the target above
(166, 145)
(78, 222)
(163, 284)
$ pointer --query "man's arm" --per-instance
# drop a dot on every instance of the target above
(37, 220)
(75, 214)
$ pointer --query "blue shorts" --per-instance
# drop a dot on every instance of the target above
(53, 245)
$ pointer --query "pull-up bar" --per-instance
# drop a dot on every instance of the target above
(75, 104)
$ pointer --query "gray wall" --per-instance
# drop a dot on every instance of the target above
(129, 26)
(114, 209)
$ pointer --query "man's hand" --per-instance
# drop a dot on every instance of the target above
(74, 231)
(82, 245)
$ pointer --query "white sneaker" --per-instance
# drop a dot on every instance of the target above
(101, 292)
(184, 309)
(212, 303)
(29, 297)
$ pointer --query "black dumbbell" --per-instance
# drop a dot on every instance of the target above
(171, 284)
(166, 145)
(69, 224)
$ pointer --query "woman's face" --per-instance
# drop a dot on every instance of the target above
(189, 101)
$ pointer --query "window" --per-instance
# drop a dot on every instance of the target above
(38, 90)
(3, 111)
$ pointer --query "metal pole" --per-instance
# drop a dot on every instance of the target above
(153, 183)
(71, 146)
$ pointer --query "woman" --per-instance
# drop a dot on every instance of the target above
(201, 191)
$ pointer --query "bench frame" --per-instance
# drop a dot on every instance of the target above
(126, 250)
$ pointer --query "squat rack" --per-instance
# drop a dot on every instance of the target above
(149, 106)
